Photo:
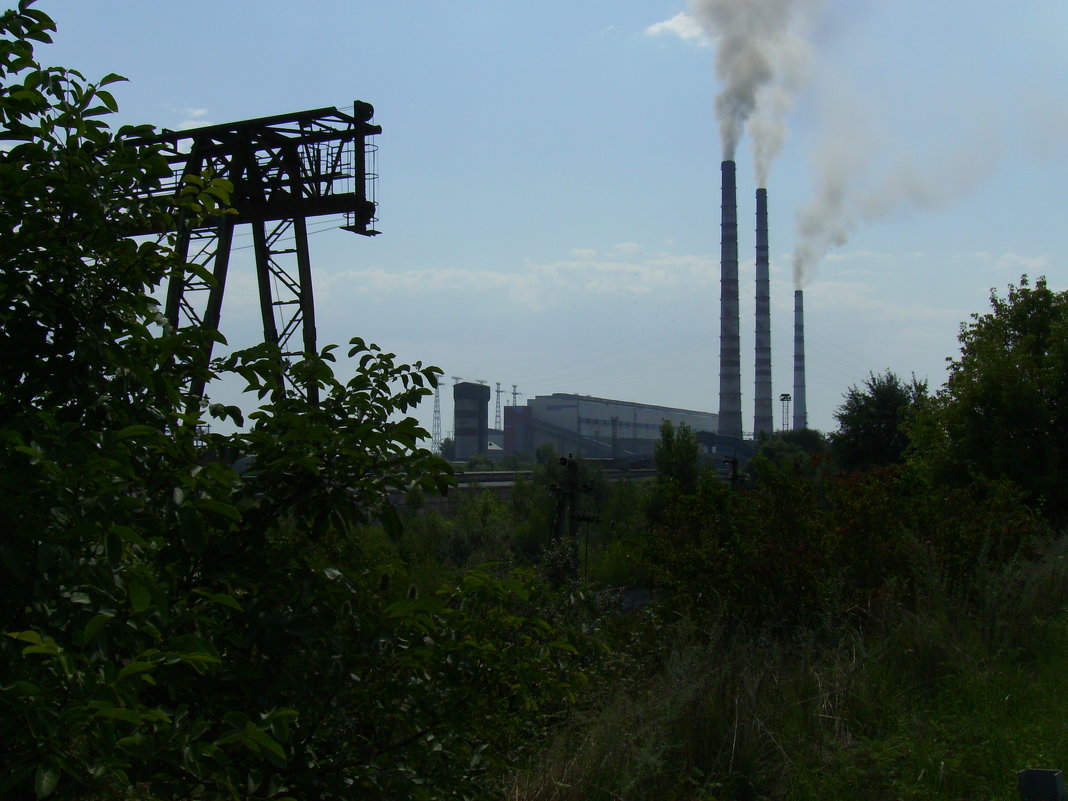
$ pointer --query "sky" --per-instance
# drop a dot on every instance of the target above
(549, 176)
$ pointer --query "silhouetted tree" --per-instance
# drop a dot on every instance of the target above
(870, 420)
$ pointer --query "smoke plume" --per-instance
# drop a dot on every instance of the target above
(857, 181)
(761, 59)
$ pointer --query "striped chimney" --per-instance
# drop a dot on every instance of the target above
(730, 378)
(800, 412)
(762, 409)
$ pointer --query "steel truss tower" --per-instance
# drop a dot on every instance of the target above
(284, 170)
(435, 431)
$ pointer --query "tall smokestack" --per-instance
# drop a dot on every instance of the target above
(800, 412)
(762, 410)
(730, 361)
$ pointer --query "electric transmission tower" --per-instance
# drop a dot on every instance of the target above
(497, 416)
(435, 431)
(284, 169)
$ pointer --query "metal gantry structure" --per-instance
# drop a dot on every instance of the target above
(284, 169)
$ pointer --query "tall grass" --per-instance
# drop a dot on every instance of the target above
(941, 698)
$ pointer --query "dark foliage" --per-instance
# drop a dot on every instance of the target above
(871, 421)
(1004, 410)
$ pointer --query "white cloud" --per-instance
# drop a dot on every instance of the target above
(867, 299)
(538, 287)
(1012, 264)
(681, 25)
(188, 118)
(627, 249)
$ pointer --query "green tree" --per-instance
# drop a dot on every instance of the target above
(799, 446)
(870, 421)
(174, 630)
(1003, 413)
(677, 454)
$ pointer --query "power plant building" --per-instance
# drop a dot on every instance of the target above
(594, 427)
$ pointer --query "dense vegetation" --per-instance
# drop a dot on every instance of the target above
(880, 612)
(175, 630)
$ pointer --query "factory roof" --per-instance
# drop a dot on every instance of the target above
(571, 396)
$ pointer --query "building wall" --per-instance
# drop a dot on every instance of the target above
(516, 429)
(597, 427)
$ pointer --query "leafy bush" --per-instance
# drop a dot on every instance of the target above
(790, 547)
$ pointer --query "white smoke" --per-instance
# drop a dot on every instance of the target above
(761, 60)
(863, 177)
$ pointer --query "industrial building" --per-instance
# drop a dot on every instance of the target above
(593, 427)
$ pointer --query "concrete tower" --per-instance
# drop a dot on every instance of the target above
(763, 420)
(470, 418)
(730, 378)
(800, 411)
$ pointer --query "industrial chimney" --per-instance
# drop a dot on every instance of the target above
(730, 378)
(762, 409)
(800, 412)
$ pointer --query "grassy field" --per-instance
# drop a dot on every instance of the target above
(946, 700)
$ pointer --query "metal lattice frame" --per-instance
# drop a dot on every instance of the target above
(284, 169)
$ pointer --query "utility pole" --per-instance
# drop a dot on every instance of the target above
(567, 509)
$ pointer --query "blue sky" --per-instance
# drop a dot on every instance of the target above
(549, 191)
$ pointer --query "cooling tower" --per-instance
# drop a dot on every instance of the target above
(730, 379)
(800, 412)
(762, 409)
